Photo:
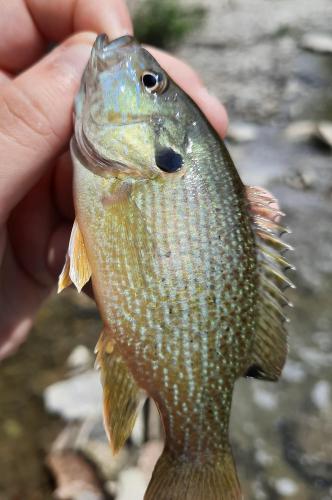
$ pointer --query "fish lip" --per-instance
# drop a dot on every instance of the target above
(105, 48)
(106, 53)
(101, 41)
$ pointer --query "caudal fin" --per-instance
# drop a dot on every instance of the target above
(177, 479)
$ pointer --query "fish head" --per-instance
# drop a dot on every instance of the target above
(132, 120)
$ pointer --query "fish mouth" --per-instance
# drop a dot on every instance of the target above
(104, 44)
(105, 49)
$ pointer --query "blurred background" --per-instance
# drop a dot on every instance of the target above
(270, 62)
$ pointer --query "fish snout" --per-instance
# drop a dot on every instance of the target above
(105, 51)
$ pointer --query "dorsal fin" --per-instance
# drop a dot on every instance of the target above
(121, 393)
(270, 342)
(77, 268)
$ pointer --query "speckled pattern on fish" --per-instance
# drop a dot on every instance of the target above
(184, 261)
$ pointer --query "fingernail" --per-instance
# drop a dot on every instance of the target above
(115, 29)
(114, 22)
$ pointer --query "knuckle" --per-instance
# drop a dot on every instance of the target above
(23, 119)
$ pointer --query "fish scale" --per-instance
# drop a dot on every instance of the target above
(193, 287)
(185, 265)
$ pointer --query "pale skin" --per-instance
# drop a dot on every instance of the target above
(36, 102)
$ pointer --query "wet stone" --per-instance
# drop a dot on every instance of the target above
(80, 359)
(324, 132)
(302, 180)
(132, 484)
(286, 487)
(308, 448)
(78, 397)
(321, 394)
(300, 130)
(264, 398)
(293, 371)
(241, 132)
(317, 42)
(75, 477)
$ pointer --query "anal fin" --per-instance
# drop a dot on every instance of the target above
(121, 393)
(77, 268)
(270, 347)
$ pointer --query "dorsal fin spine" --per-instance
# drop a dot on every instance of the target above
(270, 343)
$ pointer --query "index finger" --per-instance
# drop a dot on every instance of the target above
(26, 26)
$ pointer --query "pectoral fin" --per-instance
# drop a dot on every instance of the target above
(121, 393)
(77, 269)
(270, 342)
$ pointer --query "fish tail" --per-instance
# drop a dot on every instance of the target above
(176, 479)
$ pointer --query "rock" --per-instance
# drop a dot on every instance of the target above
(293, 372)
(317, 42)
(321, 394)
(110, 465)
(286, 487)
(307, 446)
(80, 359)
(75, 477)
(79, 397)
(323, 340)
(93, 442)
(258, 490)
(300, 130)
(315, 358)
(89, 437)
(149, 455)
(264, 399)
(308, 178)
(242, 132)
(306, 130)
(137, 434)
(67, 438)
(302, 180)
(132, 484)
(263, 458)
(324, 132)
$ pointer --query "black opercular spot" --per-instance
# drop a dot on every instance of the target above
(168, 160)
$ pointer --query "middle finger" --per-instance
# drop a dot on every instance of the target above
(27, 26)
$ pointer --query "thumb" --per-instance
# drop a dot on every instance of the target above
(36, 117)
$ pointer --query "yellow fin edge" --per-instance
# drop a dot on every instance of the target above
(77, 268)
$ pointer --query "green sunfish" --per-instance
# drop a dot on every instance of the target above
(186, 264)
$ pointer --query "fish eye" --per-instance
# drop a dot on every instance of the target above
(154, 83)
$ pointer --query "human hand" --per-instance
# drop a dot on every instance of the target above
(37, 90)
